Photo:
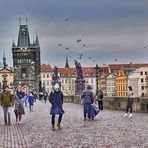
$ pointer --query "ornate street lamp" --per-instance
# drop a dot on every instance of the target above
(97, 77)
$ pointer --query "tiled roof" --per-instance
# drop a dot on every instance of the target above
(87, 71)
(67, 72)
(46, 68)
(116, 67)
(5, 70)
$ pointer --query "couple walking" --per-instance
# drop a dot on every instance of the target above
(8, 100)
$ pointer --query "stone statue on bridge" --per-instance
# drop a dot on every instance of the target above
(55, 77)
(79, 70)
(79, 82)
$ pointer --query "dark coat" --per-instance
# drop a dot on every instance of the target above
(31, 100)
(87, 97)
(56, 100)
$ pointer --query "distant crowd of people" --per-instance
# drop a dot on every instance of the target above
(20, 98)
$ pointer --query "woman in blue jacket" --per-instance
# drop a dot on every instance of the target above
(31, 100)
(56, 100)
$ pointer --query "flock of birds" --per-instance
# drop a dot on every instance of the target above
(79, 56)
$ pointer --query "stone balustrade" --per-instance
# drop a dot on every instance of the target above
(117, 103)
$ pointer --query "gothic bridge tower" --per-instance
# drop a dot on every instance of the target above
(26, 60)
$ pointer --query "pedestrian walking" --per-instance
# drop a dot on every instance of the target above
(18, 102)
(35, 96)
(31, 100)
(26, 98)
(41, 96)
(87, 99)
(7, 102)
(99, 98)
(45, 97)
(129, 102)
(56, 100)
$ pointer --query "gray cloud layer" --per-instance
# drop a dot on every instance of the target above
(109, 28)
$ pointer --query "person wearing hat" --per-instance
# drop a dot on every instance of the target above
(87, 97)
(56, 100)
(6, 101)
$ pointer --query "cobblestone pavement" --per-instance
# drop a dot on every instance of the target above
(109, 130)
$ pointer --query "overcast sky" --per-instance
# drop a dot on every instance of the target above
(110, 29)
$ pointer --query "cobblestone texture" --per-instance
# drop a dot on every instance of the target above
(109, 130)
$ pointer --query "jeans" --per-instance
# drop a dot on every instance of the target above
(100, 104)
(53, 119)
(6, 114)
(129, 105)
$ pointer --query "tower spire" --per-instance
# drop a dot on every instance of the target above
(26, 21)
(66, 64)
(20, 21)
(4, 60)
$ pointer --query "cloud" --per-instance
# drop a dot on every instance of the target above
(108, 28)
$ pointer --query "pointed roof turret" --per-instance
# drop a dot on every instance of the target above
(23, 37)
(66, 64)
(4, 60)
(37, 41)
(13, 44)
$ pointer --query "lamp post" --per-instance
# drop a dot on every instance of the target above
(4, 80)
(97, 77)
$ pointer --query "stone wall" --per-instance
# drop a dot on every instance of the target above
(117, 103)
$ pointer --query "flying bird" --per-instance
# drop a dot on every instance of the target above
(79, 40)
(66, 48)
(145, 46)
(67, 19)
(60, 44)
(115, 60)
(84, 45)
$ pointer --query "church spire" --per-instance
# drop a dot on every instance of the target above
(4, 60)
(66, 65)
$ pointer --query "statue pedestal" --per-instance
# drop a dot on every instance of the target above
(79, 86)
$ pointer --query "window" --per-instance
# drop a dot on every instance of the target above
(63, 88)
(47, 82)
(141, 80)
(69, 80)
(91, 80)
(47, 75)
(65, 80)
(62, 81)
(142, 94)
(43, 75)
(142, 87)
(146, 73)
(141, 73)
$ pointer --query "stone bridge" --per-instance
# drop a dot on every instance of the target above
(109, 130)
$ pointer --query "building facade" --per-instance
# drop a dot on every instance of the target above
(26, 60)
(46, 77)
(110, 85)
(121, 81)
